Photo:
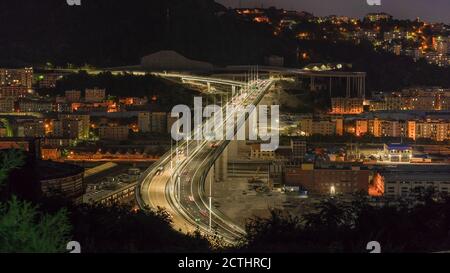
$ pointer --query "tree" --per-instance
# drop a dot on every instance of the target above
(9, 160)
(348, 226)
(121, 228)
(23, 228)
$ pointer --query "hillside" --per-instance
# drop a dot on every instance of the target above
(115, 32)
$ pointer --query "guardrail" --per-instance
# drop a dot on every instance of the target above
(219, 150)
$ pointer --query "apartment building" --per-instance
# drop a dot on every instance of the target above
(154, 122)
(95, 95)
(347, 106)
(83, 118)
(68, 128)
(113, 132)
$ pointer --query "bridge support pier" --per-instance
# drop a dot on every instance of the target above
(233, 149)
(348, 89)
(362, 87)
(313, 84)
(209, 87)
(221, 167)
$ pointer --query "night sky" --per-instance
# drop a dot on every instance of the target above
(428, 10)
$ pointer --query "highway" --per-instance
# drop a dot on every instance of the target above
(198, 78)
(177, 182)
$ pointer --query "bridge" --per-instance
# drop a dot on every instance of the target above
(355, 81)
(184, 78)
(178, 77)
(178, 182)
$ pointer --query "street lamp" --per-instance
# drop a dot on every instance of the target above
(332, 190)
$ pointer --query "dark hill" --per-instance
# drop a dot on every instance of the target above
(118, 32)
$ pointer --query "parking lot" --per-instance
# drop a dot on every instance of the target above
(237, 199)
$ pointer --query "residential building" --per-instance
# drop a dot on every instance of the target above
(85, 122)
(95, 95)
(379, 16)
(361, 127)
(144, 119)
(50, 153)
(61, 179)
(170, 121)
(31, 128)
(29, 144)
(17, 77)
(339, 126)
(154, 122)
(393, 128)
(73, 96)
(257, 153)
(438, 130)
(158, 122)
(57, 142)
(49, 80)
(298, 149)
(317, 126)
(7, 105)
(13, 91)
(347, 105)
(409, 183)
(393, 103)
(374, 127)
(34, 105)
(113, 132)
(329, 181)
(68, 128)
(412, 129)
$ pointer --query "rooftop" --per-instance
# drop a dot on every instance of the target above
(52, 170)
(418, 176)
(399, 146)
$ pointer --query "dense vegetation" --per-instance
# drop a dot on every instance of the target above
(339, 226)
(23, 227)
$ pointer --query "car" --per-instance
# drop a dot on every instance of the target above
(214, 145)
(159, 170)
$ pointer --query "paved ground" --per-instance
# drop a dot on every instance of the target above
(236, 200)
